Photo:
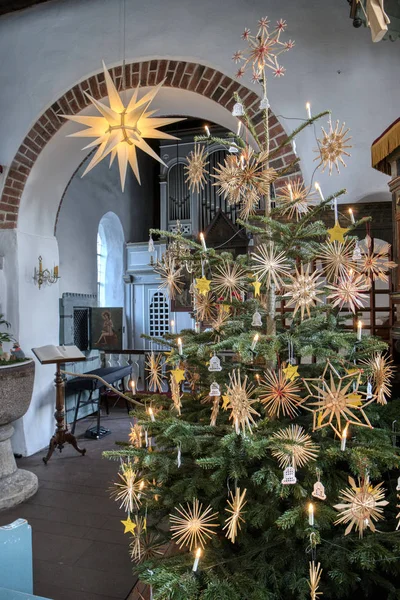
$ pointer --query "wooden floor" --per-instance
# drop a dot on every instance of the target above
(79, 550)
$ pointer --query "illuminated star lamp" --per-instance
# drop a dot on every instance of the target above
(122, 129)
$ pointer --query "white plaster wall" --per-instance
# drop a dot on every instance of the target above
(85, 203)
(38, 326)
(47, 49)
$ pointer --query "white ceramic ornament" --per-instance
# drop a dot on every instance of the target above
(215, 364)
(289, 476)
(319, 491)
(238, 110)
(357, 252)
(264, 104)
(398, 485)
(214, 389)
(233, 149)
(257, 321)
(369, 391)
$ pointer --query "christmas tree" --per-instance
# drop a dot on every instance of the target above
(269, 470)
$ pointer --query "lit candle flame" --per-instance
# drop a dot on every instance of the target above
(203, 241)
(207, 131)
(318, 188)
(308, 109)
(351, 216)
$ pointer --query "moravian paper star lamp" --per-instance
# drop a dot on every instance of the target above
(120, 129)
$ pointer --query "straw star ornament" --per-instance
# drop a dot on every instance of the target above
(154, 364)
(376, 264)
(240, 405)
(293, 447)
(295, 199)
(279, 394)
(271, 264)
(303, 291)
(236, 504)
(193, 527)
(332, 147)
(336, 401)
(129, 488)
(350, 289)
(196, 168)
(361, 505)
(337, 259)
(120, 130)
(230, 280)
(171, 276)
(382, 372)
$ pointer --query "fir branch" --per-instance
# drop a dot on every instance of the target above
(296, 131)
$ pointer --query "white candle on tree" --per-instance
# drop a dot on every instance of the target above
(352, 216)
(196, 560)
(344, 438)
(255, 340)
(172, 326)
(311, 514)
(180, 346)
(308, 109)
(151, 413)
(359, 330)
(203, 241)
(318, 188)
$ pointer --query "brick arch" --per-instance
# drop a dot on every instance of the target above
(179, 74)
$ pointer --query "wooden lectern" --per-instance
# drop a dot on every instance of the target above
(61, 435)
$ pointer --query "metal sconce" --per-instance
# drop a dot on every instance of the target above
(45, 275)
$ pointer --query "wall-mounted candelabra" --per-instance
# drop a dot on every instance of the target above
(45, 275)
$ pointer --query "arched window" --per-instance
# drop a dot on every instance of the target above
(110, 261)
(101, 266)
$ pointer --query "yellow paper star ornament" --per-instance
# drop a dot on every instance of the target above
(129, 525)
(120, 129)
(178, 374)
(291, 372)
(203, 285)
(337, 233)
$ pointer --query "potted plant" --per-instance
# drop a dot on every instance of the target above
(17, 375)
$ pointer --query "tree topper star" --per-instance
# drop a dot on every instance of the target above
(121, 129)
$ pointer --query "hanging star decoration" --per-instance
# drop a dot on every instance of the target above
(129, 525)
(218, 322)
(314, 579)
(295, 199)
(303, 291)
(293, 447)
(135, 435)
(263, 50)
(236, 503)
(203, 285)
(337, 259)
(129, 489)
(291, 372)
(361, 505)
(229, 280)
(193, 527)
(332, 147)
(381, 368)
(196, 168)
(176, 394)
(337, 233)
(171, 276)
(350, 289)
(271, 265)
(375, 265)
(279, 394)
(121, 129)
(154, 364)
(240, 405)
(204, 306)
(244, 179)
(146, 546)
(178, 374)
(334, 401)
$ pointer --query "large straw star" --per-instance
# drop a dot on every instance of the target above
(121, 129)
